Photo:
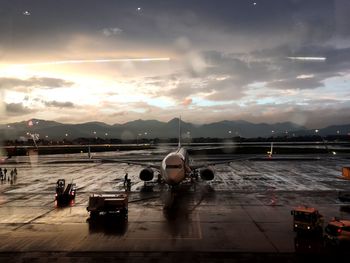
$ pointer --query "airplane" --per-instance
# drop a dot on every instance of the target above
(175, 167)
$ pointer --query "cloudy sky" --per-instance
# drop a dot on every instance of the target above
(116, 61)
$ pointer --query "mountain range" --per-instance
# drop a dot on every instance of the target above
(139, 129)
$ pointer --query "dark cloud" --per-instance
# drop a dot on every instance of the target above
(342, 8)
(273, 66)
(161, 22)
(307, 83)
(17, 109)
(14, 83)
(58, 104)
(111, 31)
(223, 90)
(182, 90)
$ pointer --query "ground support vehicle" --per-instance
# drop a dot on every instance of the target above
(344, 196)
(337, 232)
(346, 173)
(307, 220)
(110, 204)
(64, 195)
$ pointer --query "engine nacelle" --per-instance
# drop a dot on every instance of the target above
(146, 174)
(207, 173)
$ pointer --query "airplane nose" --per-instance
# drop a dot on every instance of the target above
(174, 177)
(173, 169)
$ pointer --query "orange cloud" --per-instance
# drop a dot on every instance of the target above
(187, 102)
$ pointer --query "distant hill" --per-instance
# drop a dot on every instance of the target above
(329, 130)
(156, 129)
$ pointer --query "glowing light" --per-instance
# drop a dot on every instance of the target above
(318, 59)
(139, 9)
(310, 76)
(26, 13)
(82, 61)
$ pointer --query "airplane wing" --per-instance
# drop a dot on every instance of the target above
(209, 162)
(132, 162)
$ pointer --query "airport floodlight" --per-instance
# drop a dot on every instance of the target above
(316, 59)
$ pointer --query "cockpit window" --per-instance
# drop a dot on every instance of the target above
(173, 166)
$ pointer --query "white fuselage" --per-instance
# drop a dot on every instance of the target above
(175, 167)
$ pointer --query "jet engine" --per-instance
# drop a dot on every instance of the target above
(146, 174)
(207, 173)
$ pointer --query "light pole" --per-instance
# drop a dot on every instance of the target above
(137, 138)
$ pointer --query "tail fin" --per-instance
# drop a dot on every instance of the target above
(179, 143)
(271, 148)
(270, 153)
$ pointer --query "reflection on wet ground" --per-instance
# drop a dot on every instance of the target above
(107, 224)
(309, 244)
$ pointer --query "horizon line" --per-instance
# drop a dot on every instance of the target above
(175, 118)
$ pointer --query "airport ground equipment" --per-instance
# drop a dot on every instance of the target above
(345, 173)
(337, 232)
(64, 194)
(112, 204)
(307, 220)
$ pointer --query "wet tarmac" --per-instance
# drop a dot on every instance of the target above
(243, 214)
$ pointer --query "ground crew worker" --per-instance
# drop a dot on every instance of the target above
(5, 172)
(125, 179)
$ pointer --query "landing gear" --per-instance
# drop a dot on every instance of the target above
(195, 175)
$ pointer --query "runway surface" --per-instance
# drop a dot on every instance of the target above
(243, 214)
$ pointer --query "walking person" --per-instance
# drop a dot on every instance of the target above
(125, 179)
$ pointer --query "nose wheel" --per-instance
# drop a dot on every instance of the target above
(195, 175)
